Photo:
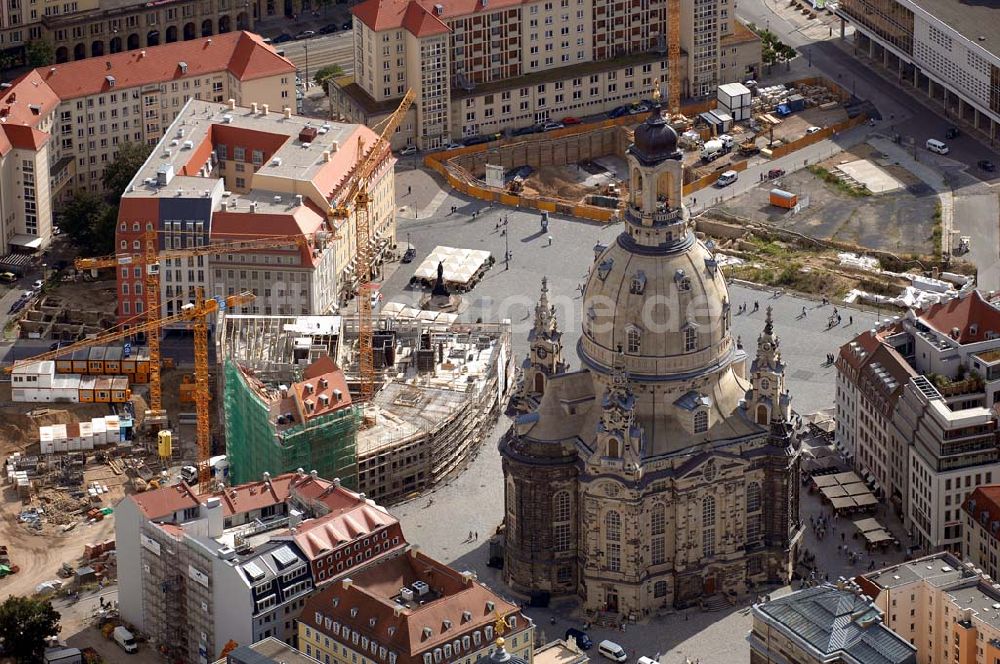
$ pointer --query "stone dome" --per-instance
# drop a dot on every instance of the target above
(501, 656)
(663, 309)
(655, 140)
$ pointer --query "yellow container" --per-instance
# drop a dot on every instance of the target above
(165, 443)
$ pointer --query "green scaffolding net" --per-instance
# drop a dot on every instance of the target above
(255, 443)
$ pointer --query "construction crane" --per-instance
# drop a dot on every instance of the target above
(356, 196)
(674, 57)
(150, 261)
(196, 314)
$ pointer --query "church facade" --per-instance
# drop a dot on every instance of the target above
(665, 469)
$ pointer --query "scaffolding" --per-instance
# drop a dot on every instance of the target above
(256, 443)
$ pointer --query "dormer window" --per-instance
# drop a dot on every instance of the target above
(604, 269)
(682, 281)
(638, 283)
(690, 339)
(633, 340)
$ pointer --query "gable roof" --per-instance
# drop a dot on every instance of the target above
(27, 101)
(243, 54)
(962, 313)
(986, 499)
(23, 137)
(319, 536)
(165, 501)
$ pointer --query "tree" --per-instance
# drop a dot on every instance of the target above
(40, 53)
(25, 623)
(89, 223)
(228, 648)
(326, 74)
(117, 175)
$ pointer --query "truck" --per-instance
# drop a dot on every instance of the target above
(62, 655)
(125, 639)
(713, 149)
(727, 141)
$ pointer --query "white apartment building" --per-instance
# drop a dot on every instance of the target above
(915, 411)
(947, 49)
(63, 125)
(488, 67)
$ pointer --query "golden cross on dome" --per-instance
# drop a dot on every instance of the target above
(656, 93)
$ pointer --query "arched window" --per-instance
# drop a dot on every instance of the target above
(753, 497)
(511, 517)
(613, 526)
(633, 340)
(690, 339)
(561, 529)
(701, 421)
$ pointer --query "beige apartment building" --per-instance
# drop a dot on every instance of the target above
(982, 528)
(916, 414)
(484, 68)
(79, 113)
(945, 607)
(79, 29)
(224, 173)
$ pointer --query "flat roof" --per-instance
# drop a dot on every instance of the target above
(972, 20)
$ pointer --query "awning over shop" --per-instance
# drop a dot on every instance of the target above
(27, 241)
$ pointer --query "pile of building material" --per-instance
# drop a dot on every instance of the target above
(96, 490)
(101, 556)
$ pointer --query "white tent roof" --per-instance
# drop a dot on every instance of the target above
(459, 264)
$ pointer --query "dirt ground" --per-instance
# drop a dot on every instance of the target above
(901, 221)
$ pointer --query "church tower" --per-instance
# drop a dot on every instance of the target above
(767, 399)
(545, 354)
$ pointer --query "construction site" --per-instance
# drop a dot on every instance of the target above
(581, 169)
(438, 387)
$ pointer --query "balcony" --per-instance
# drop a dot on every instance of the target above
(661, 216)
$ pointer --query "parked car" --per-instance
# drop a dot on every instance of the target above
(306, 34)
(282, 38)
(408, 150)
(636, 109)
(409, 255)
(582, 638)
(476, 140)
(570, 120)
(552, 126)
(727, 179)
(8, 277)
(618, 111)
(37, 284)
(612, 651)
(986, 165)
(451, 146)
(347, 25)
(775, 173)
(524, 131)
(813, 130)
(329, 28)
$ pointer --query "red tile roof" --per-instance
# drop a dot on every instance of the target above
(5, 145)
(324, 534)
(458, 606)
(419, 17)
(987, 499)
(323, 371)
(27, 101)
(962, 313)
(243, 54)
(422, 22)
(165, 501)
(24, 137)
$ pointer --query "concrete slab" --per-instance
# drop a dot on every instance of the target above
(878, 180)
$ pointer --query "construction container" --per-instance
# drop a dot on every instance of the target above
(734, 95)
(64, 364)
(59, 440)
(113, 360)
(796, 103)
(783, 199)
(88, 384)
(95, 361)
(80, 357)
(164, 443)
(45, 443)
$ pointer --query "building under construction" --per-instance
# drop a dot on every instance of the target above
(280, 428)
(438, 393)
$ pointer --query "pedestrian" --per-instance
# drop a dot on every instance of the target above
(694, 201)
(477, 535)
(850, 320)
(470, 535)
(803, 312)
(409, 189)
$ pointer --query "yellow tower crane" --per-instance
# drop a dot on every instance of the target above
(150, 262)
(356, 196)
(674, 57)
(196, 314)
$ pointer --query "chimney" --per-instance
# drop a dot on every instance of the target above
(313, 474)
(142, 54)
(288, 113)
(336, 481)
(254, 107)
(298, 200)
(263, 109)
(414, 550)
(232, 104)
(326, 155)
(347, 583)
(212, 509)
(334, 146)
(294, 518)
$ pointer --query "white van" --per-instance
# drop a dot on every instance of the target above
(727, 179)
(935, 145)
(646, 660)
(612, 651)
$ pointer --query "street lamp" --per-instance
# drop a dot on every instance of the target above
(305, 81)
